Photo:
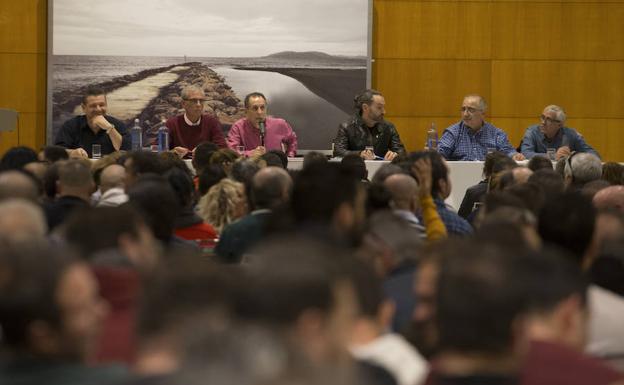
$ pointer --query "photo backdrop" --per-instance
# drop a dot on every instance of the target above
(308, 58)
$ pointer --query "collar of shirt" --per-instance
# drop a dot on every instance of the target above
(188, 121)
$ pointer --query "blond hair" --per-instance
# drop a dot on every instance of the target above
(222, 204)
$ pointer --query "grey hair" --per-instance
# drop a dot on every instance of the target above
(189, 89)
(482, 103)
(561, 115)
(583, 168)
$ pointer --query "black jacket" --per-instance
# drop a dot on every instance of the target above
(353, 137)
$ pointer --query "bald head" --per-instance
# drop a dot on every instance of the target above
(610, 198)
(21, 220)
(112, 176)
(403, 189)
(16, 184)
(270, 187)
(521, 174)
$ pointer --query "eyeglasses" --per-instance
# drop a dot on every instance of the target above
(195, 101)
(569, 163)
(472, 110)
(546, 119)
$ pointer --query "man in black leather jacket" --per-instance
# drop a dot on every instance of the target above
(367, 128)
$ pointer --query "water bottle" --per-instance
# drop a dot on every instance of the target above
(136, 133)
(432, 138)
(163, 137)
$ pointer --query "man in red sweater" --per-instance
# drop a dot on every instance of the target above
(194, 126)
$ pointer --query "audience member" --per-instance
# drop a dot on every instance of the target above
(224, 203)
(53, 153)
(210, 176)
(21, 221)
(313, 157)
(613, 173)
(112, 186)
(50, 315)
(540, 162)
(18, 184)
(270, 189)
(139, 163)
(17, 157)
(355, 165)
(74, 188)
(581, 168)
(610, 198)
(283, 157)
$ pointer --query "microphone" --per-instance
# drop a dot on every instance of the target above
(262, 128)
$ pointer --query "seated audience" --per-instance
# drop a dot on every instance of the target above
(613, 173)
(17, 157)
(540, 162)
(224, 203)
(112, 186)
(18, 184)
(21, 221)
(581, 168)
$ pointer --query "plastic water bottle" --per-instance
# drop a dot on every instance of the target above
(136, 133)
(163, 137)
(432, 138)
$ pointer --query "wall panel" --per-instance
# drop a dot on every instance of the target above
(520, 55)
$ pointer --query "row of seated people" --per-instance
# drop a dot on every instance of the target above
(320, 276)
(366, 133)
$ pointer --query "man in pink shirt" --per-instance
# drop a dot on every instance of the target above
(258, 133)
(193, 127)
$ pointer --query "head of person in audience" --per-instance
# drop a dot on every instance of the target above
(607, 270)
(139, 163)
(281, 155)
(50, 180)
(226, 158)
(256, 107)
(94, 104)
(224, 203)
(102, 234)
(100, 164)
(403, 190)
(473, 111)
(509, 226)
(567, 221)
(313, 157)
(552, 119)
(75, 179)
(243, 171)
(18, 184)
(479, 312)
(272, 159)
(193, 99)
(557, 311)
(50, 308)
(171, 160)
(201, 156)
(181, 291)
(389, 242)
(540, 162)
(385, 171)
(440, 179)
(613, 173)
(329, 196)
(210, 176)
(21, 220)
(182, 184)
(495, 162)
(356, 165)
(152, 196)
(307, 294)
(17, 157)
(53, 153)
(271, 188)
(38, 171)
(549, 180)
(371, 106)
(581, 168)
(590, 189)
(113, 176)
(611, 198)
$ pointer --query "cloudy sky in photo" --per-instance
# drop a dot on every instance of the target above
(209, 28)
